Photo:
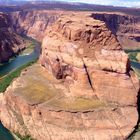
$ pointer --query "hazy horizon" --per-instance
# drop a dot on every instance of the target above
(122, 3)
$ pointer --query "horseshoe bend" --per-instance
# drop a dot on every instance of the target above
(81, 88)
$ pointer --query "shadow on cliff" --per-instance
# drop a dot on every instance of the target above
(111, 21)
(137, 127)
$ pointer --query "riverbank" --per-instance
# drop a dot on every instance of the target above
(135, 65)
(5, 134)
(29, 54)
(7, 79)
(134, 56)
(11, 70)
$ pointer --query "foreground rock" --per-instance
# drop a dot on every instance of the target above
(36, 104)
(84, 91)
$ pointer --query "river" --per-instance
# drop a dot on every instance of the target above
(26, 56)
(135, 64)
(21, 59)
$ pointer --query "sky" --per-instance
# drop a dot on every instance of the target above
(124, 3)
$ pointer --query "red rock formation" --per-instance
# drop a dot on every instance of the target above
(126, 27)
(88, 57)
(86, 90)
(85, 53)
(35, 104)
(33, 23)
(10, 42)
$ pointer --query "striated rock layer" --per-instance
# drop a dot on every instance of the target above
(10, 42)
(84, 91)
(126, 27)
(87, 55)
(33, 23)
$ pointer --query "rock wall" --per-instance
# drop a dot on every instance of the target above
(29, 23)
(85, 53)
(10, 42)
(33, 23)
(126, 28)
(89, 59)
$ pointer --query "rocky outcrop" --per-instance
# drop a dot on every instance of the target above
(10, 42)
(88, 58)
(85, 90)
(83, 53)
(36, 104)
(33, 23)
(126, 27)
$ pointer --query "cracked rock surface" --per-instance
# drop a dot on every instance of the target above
(84, 91)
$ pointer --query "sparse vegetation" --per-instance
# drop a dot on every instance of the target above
(7, 79)
(27, 137)
(77, 104)
(133, 54)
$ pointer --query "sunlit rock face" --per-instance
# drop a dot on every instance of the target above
(82, 87)
(86, 54)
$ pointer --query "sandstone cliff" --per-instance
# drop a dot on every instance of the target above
(79, 50)
(33, 23)
(10, 42)
(84, 91)
(126, 27)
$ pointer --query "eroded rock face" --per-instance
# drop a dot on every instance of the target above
(126, 28)
(90, 60)
(87, 55)
(33, 23)
(10, 42)
(36, 104)
(28, 23)
(85, 89)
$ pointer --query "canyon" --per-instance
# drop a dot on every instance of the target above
(10, 42)
(34, 23)
(82, 87)
(125, 27)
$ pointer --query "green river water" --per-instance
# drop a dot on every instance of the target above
(26, 56)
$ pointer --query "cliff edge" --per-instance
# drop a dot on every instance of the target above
(85, 89)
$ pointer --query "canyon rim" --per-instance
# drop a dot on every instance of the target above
(82, 87)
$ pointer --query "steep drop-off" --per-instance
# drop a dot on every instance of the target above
(126, 27)
(33, 23)
(10, 42)
(16, 24)
(85, 89)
